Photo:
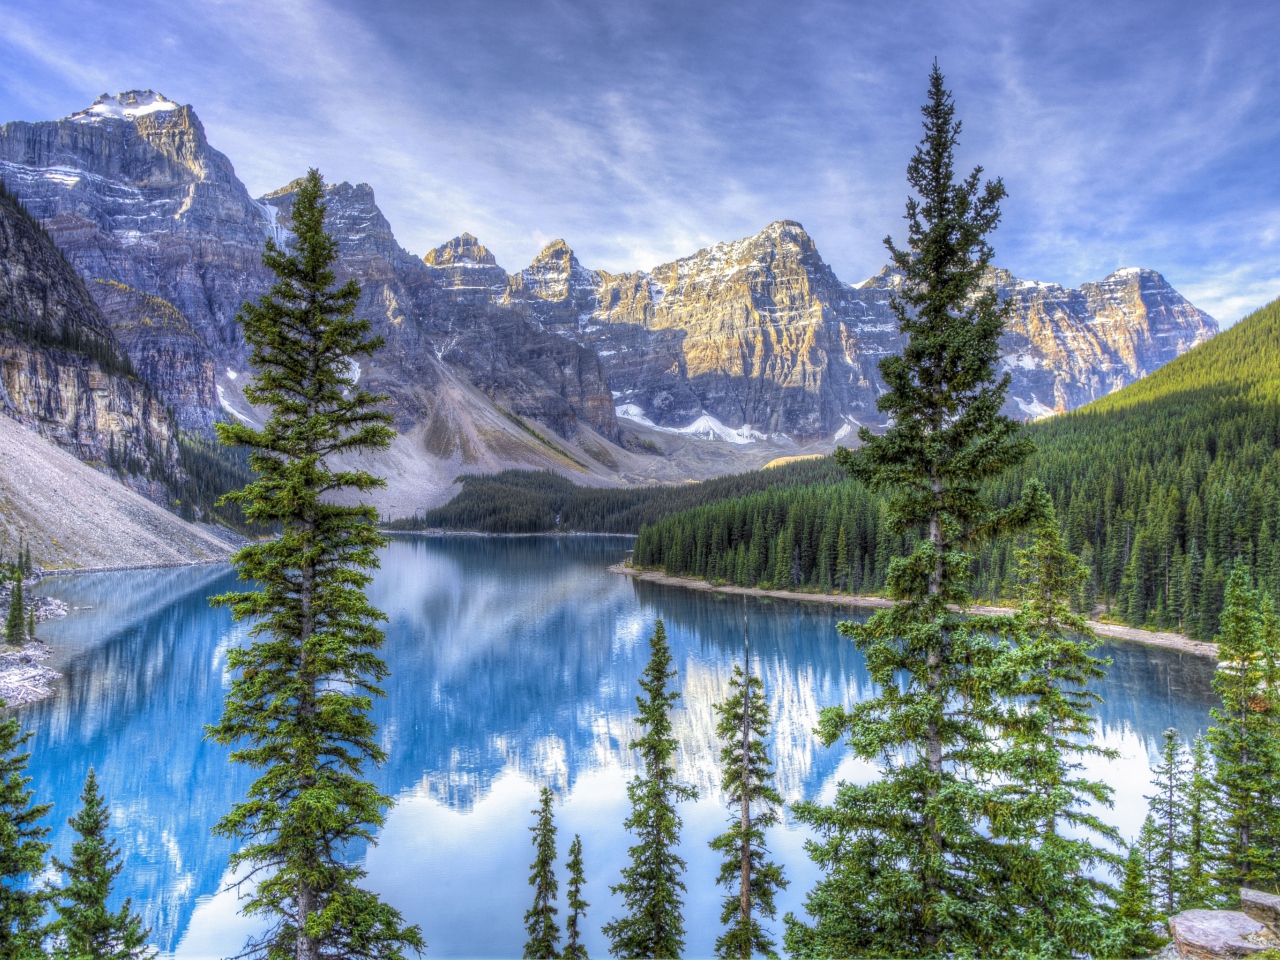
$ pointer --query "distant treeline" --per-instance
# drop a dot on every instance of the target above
(1161, 488)
(528, 501)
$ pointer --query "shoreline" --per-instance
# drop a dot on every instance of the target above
(1112, 631)
(439, 532)
(71, 571)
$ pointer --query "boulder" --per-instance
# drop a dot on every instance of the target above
(1263, 907)
(1216, 934)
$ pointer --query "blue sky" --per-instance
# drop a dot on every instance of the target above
(1128, 133)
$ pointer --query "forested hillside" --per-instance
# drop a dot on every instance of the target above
(529, 501)
(1161, 487)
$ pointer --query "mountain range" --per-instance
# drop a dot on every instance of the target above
(720, 361)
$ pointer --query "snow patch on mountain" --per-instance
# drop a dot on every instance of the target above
(706, 427)
(1033, 408)
(125, 106)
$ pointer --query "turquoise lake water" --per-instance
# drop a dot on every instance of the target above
(513, 666)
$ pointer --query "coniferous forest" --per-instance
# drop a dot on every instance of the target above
(1161, 489)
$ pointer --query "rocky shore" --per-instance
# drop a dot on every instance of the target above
(1172, 641)
(23, 677)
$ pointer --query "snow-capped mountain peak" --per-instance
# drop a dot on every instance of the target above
(126, 106)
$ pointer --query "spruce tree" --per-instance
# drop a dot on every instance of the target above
(910, 866)
(1055, 901)
(651, 885)
(1168, 805)
(1135, 918)
(15, 624)
(540, 919)
(298, 708)
(747, 779)
(573, 947)
(1245, 740)
(22, 850)
(85, 929)
(1198, 884)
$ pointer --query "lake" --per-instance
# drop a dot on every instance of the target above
(513, 666)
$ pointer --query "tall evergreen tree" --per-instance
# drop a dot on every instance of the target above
(299, 705)
(573, 947)
(1055, 901)
(909, 862)
(15, 623)
(1245, 740)
(747, 778)
(22, 850)
(85, 929)
(1168, 854)
(651, 886)
(540, 919)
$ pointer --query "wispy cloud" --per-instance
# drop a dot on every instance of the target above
(1129, 134)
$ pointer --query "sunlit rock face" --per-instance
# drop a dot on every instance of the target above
(761, 333)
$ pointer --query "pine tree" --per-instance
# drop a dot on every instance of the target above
(1168, 806)
(1198, 887)
(651, 886)
(1054, 899)
(299, 707)
(85, 929)
(31, 622)
(573, 947)
(540, 919)
(1135, 918)
(1245, 740)
(747, 777)
(22, 850)
(15, 623)
(910, 868)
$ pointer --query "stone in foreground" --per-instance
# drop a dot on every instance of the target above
(1214, 934)
(1263, 907)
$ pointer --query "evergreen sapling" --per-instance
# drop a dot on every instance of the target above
(22, 850)
(747, 778)
(540, 919)
(1167, 854)
(573, 947)
(85, 929)
(652, 886)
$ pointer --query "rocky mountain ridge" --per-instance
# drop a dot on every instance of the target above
(63, 373)
(740, 352)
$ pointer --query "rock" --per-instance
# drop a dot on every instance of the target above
(63, 372)
(1263, 907)
(1213, 934)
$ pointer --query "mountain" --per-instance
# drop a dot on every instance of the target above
(760, 334)
(74, 516)
(715, 363)
(63, 373)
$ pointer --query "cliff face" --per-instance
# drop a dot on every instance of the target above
(761, 335)
(164, 349)
(63, 374)
(131, 191)
(443, 310)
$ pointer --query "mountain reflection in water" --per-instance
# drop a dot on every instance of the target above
(513, 665)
